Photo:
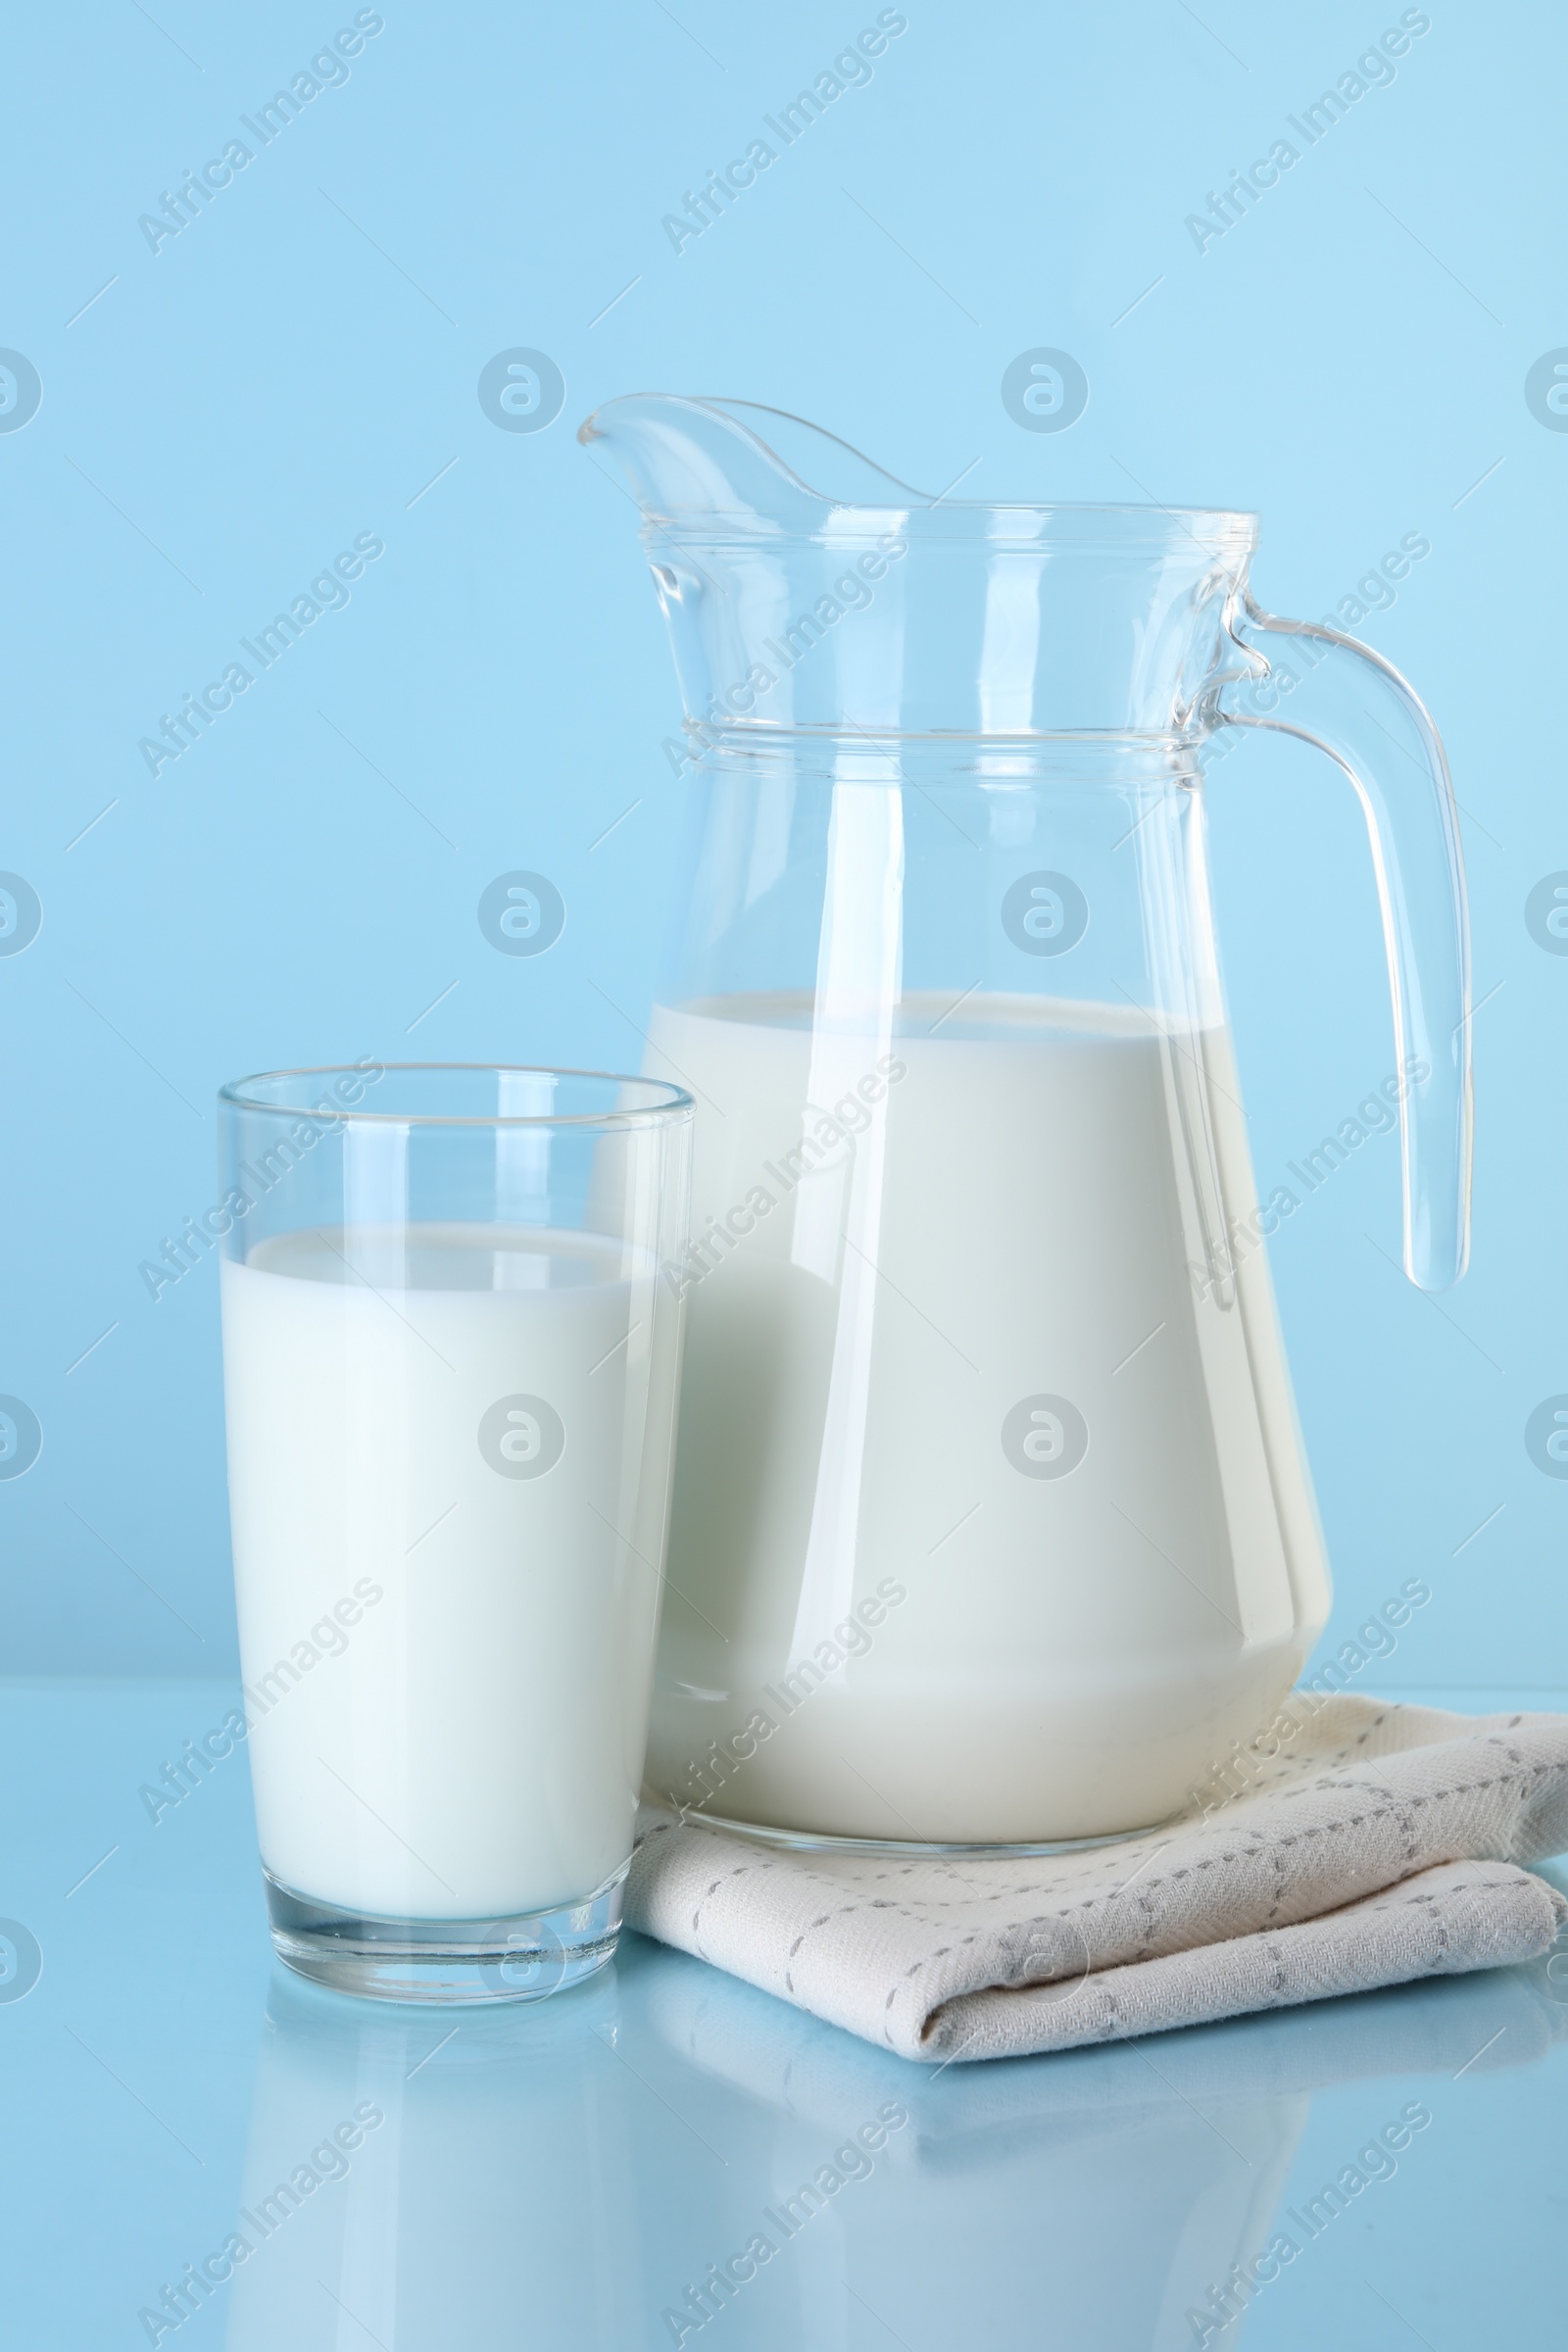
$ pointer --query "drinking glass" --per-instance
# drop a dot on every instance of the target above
(451, 1361)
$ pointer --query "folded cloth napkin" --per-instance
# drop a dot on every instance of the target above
(1384, 1847)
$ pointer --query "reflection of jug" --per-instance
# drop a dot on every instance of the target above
(991, 1520)
(1115, 2189)
(1129, 2200)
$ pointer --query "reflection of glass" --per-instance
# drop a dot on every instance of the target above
(492, 2203)
(450, 1368)
(991, 1521)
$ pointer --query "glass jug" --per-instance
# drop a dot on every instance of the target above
(991, 1525)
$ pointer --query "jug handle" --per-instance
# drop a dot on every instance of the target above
(1370, 721)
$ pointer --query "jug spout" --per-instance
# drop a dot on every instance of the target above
(806, 587)
(731, 465)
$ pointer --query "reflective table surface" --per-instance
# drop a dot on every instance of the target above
(202, 2149)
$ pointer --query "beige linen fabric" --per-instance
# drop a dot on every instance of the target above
(1385, 1845)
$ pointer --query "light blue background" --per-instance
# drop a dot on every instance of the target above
(232, 411)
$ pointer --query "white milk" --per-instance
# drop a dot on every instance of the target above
(1050, 1643)
(445, 1661)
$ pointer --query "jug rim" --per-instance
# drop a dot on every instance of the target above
(1114, 523)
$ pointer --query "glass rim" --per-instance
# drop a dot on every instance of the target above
(665, 1102)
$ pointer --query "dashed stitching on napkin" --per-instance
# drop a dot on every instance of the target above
(926, 1904)
(1403, 1810)
(1253, 1845)
(844, 1911)
(913, 1970)
(740, 1871)
(1275, 1855)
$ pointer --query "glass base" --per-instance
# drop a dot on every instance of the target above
(821, 1842)
(525, 1957)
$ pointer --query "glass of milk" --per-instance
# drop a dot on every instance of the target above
(451, 1355)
